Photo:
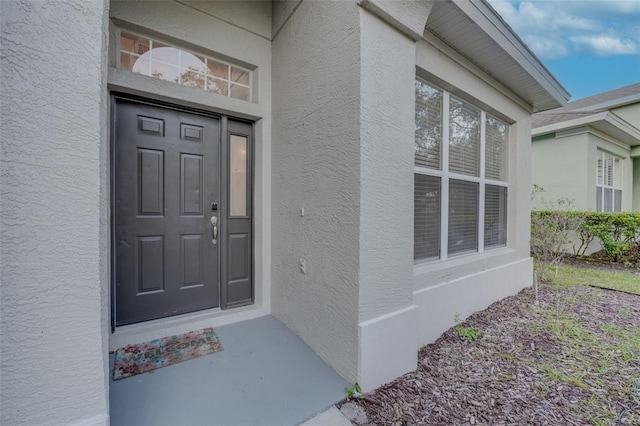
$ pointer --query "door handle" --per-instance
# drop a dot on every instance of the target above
(214, 230)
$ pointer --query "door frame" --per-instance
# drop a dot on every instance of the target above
(223, 159)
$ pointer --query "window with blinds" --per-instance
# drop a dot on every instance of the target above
(428, 126)
(608, 182)
(426, 211)
(464, 138)
(495, 166)
(472, 215)
(463, 216)
(495, 216)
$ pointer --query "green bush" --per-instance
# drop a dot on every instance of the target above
(550, 235)
(618, 231)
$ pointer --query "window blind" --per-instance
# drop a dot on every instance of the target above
(426, 217)
(495, 216)
(464, 138)
(495, 149)
(428, 138)
(463, 216)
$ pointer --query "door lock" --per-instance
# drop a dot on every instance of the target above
(214, 207)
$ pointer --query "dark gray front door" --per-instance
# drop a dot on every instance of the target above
(166, 191)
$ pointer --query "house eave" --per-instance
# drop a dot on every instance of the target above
(512, 63)
(604, 121)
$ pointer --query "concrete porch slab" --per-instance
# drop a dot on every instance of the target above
(265, 375)
(331, 417)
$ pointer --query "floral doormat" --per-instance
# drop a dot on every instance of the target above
(148, 356)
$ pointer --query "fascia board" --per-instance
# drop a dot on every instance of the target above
(603, 121)
(495, 27)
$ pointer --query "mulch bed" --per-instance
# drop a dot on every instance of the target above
(629, 260)
(558, 362)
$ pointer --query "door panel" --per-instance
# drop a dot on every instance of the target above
(166, 175)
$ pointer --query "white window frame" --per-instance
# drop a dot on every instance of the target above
(445, 176)
(615, 186)
(152, 40)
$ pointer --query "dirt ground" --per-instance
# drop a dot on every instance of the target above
(573, 358)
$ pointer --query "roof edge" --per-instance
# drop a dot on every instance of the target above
(591, 120)
(496, 28)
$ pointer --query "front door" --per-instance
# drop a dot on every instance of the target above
(167, 204)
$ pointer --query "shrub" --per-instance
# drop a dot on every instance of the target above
(618, 231)
(550, 234)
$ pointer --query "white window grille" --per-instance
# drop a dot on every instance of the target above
(460, 185)
(608, 183)
(153, 58)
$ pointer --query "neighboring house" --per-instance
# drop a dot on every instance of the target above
(366, 164)
(589, 151)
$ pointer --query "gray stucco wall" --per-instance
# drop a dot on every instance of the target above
(53, 309)
(387, 149)
(316, 166)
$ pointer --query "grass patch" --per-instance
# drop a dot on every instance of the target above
(470, 334)
(626, 281)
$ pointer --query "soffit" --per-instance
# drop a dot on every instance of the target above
(476, 31)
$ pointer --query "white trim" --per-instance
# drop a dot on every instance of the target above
(444, 182)
(591, 120)
(481, 192)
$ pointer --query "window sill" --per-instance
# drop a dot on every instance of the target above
(432, 265)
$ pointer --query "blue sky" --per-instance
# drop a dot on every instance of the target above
(590, 46)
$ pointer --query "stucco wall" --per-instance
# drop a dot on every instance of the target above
(386, 311)
(560, 167)
(565, 166)
(629, 113)
(387, 150)
(316, 166)
(252, 15)
(53, 310)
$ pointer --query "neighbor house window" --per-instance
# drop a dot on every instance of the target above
(609, 183)
(147, 56)
(460, 185)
